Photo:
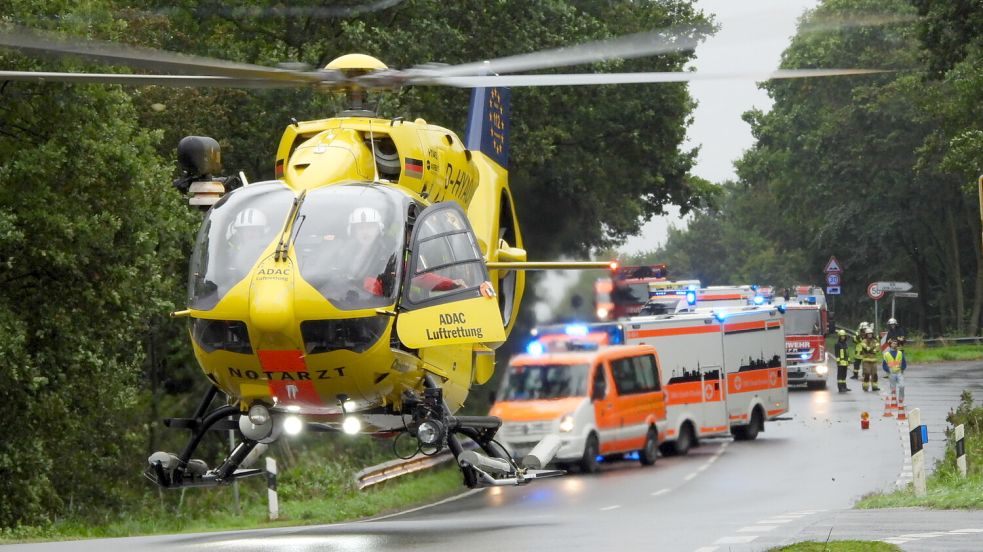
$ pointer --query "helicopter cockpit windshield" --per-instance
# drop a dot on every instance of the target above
(233, 235)
(349, 241)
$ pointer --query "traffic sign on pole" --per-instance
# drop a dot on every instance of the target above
(874, 291)
(832, 279)
(832, 290)
(833, 266)
(908, 294)
(894, 286)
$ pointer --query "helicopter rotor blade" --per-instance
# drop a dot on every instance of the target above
(665, 41)
(583, 79)
(144, 80)
(157, 60)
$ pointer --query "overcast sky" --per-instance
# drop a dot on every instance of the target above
(752, 35)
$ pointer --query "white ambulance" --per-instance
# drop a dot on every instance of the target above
(723, 372)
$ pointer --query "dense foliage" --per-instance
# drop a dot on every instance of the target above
(879, 171)
(93, 240)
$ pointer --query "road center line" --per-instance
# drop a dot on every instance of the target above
(689, 477)
(608, 508)
(661, 492)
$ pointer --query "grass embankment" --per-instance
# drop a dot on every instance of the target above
(941, 354)
(311, 495)
(946, 488)
(838, 546)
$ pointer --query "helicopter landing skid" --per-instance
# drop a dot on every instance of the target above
(432, 425)
(172, 471)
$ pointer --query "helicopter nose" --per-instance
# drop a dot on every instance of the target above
(271, 301)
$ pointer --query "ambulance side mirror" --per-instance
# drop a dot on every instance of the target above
(599, 391)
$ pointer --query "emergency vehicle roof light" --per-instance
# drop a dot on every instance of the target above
(812, 300)
(758, 300)
(535, 348)
(720, 316)
(691, 297)
(781, 308)
(579, 330)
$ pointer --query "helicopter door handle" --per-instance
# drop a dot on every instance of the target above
(385, 312)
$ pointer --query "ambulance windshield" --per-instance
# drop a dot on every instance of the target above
(802, 322)
(545, 381)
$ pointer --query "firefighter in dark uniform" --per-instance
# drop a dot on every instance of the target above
(842, 361)
(857, 342)
(897, 333)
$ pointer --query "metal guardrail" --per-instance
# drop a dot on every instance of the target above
(943, 341)
(395, 468)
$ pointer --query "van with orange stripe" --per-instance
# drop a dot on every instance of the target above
(723, 372)
(601, 403)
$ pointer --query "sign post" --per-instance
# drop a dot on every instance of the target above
(875, 292)
(834, 274)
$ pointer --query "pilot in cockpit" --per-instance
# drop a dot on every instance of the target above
(368, 254)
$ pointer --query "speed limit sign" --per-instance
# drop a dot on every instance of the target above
(874, 292)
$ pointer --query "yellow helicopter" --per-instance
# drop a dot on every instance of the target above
(367, 287)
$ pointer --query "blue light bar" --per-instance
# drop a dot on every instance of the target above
(691, 297)
(535, 348)
(758, 300)
(812, 300)
(579, 330)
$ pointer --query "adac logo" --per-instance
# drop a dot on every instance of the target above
(273, 272)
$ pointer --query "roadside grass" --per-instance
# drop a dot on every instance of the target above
(312, 495)
(946, 489)
(942, 354)
(838, 546)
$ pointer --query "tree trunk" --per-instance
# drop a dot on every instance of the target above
(956, 272)
(974, 320)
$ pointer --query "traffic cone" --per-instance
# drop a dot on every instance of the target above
(889, 407)
(902, 415)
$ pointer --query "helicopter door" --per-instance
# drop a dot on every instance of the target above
(447, 298)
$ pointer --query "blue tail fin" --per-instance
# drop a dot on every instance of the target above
(488, 124)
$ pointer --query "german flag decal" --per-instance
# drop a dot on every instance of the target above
(414, 167)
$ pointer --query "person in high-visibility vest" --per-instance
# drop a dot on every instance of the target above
(870, 352)
(894, 364)
(842, 361)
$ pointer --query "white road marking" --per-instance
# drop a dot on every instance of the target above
(776, 520)
(756, 528)
(894, 541)
(661, 492)
(921, 535)
(689, 477)
(607, 508)
(703, 467)
(736, 540)
(707, 549)
(967, 531)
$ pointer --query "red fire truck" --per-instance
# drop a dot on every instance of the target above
(623, 294)
(806, 326)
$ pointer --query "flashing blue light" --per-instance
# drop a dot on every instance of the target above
(691, 297)
(781, 309)
(720, 316)
(812, 300)
(579, 330)
(758, 300)
(804, 356)
(535, 348)
(632, 455)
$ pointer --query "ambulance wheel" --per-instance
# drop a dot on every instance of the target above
(589, 463)
(749, 432)
(682, 444)
(649, 453)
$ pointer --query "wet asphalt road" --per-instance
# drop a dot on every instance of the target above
(793, 483)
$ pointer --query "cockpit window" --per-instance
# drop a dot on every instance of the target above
(349, 242)
(233, 235)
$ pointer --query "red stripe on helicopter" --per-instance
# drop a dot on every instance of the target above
(278, 169)
(282, 361)
(414, 167)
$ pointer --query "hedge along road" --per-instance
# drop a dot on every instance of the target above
(724, 495)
